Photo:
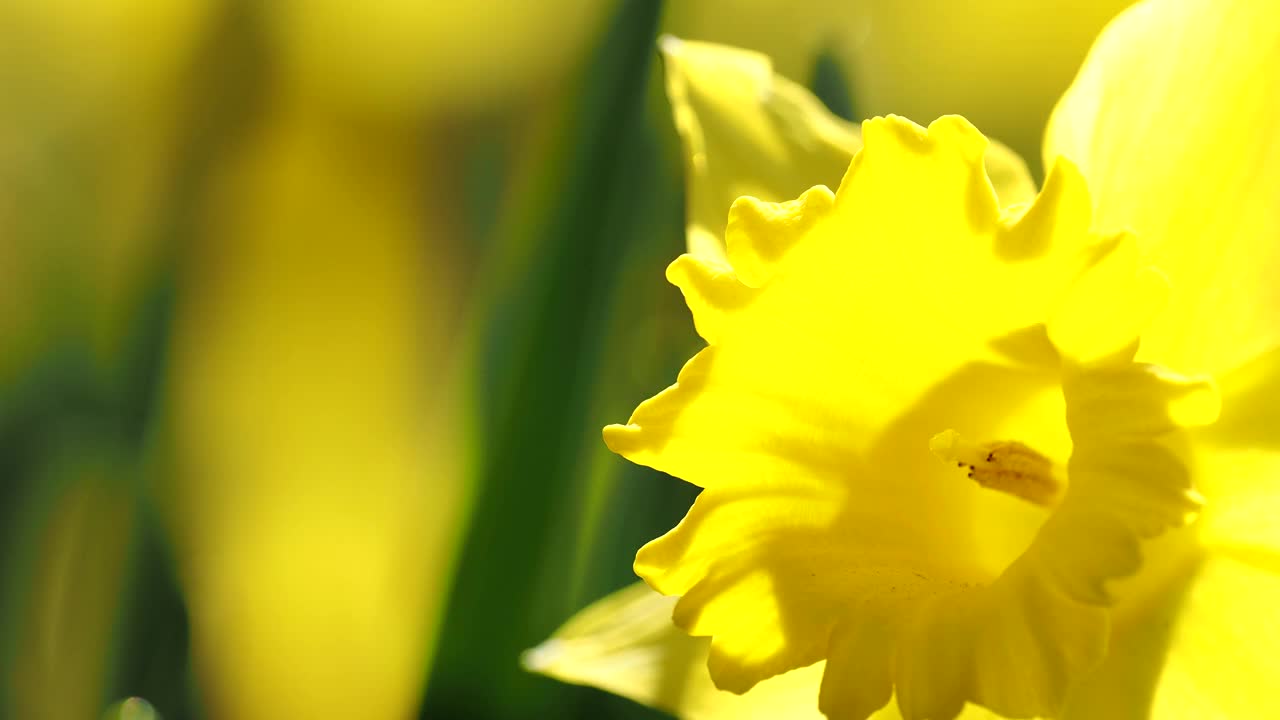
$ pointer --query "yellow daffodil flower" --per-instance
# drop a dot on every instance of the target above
(958, 450)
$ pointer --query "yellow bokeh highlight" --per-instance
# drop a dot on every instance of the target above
(314, 423)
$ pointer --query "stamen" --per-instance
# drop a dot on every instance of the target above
(1007, 466)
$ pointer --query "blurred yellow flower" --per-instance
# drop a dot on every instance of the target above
(850, 333)
(315, 403)
(318, 478)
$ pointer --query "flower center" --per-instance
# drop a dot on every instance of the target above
(1007, 466)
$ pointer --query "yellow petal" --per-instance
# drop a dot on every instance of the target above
(1009, 175)
(1173, 120)
(746, 131)
(826, 529)
(1250, 415)
(1220, 657)
(1107, 307)
(1122, 686)
(749, 131)
(1238, 468)
(1240, 517)
(780, 224)
(771, 555)
(1195, 641)
(1129, 465)
(626, 643)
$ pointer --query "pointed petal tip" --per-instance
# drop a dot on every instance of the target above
(958, 130)
(620, 438)
(540, 658)
(729, 674)
(1065, 168)
(686, 263)
(1058, 216)
(1065, 184)
(670, 45)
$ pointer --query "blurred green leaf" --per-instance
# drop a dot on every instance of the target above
(577, 333)
(831, 85)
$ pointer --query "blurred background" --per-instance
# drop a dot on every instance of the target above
(311, 314)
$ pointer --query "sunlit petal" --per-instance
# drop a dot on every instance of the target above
(626, 643)
(749, 131)
(1175, 122)
(1215, 664)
